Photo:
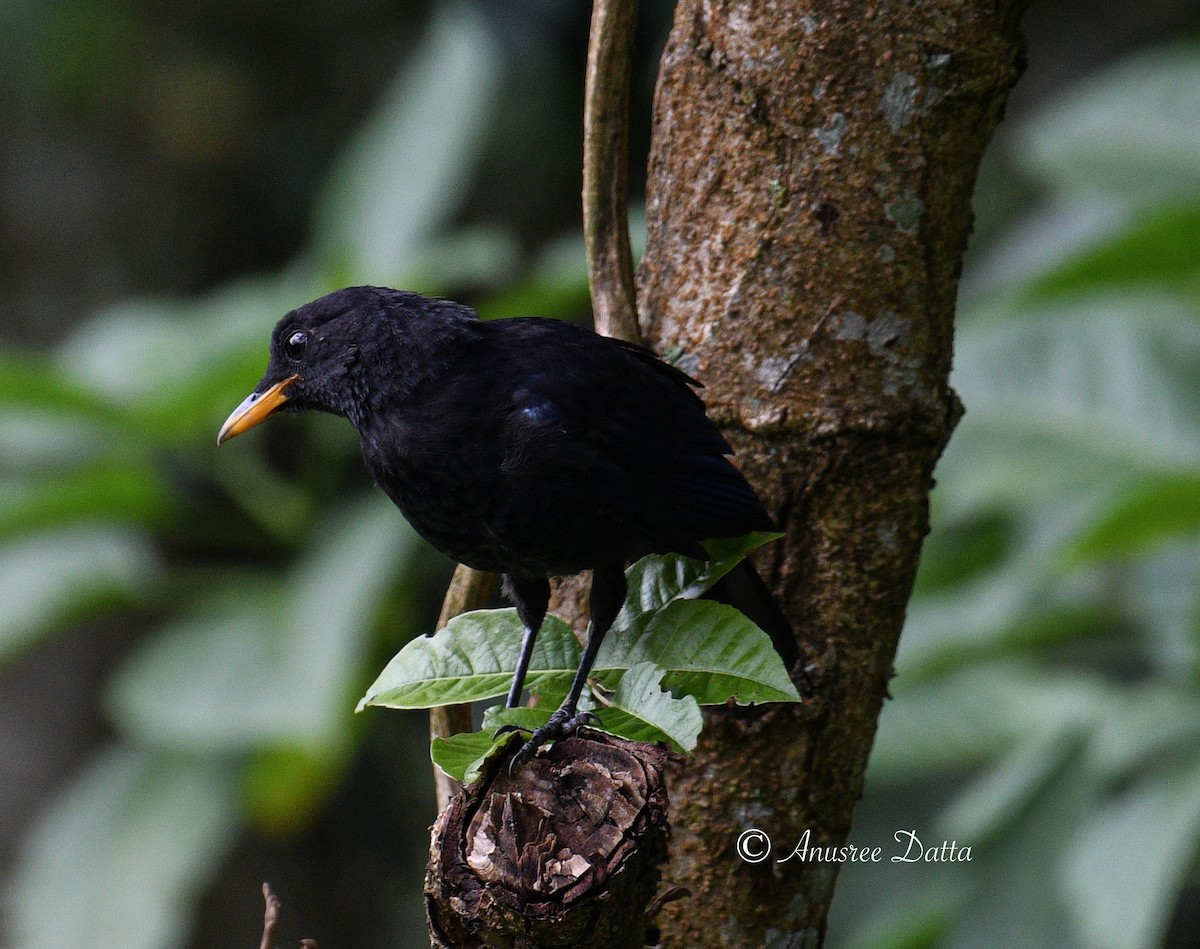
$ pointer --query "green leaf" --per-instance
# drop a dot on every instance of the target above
(523, 717)
(411, 162)
(1153, 99)
(35, 382)
(653, 714)
(285, 787)
(1022, 603)
(101, 492)
(55, 575)
(130, 354)
(639, 710)
(471, 659)
(464, 756)
(633, 725)
(1159, 249)
(709, 651)
(1018, 868)
(1122, 874)
(659, 579)
(1153, 510)
(995, 799)
(268, 662)
(122, 853)
(978, 714)
(1073, 398)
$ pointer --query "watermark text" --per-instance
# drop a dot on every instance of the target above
(756, 846)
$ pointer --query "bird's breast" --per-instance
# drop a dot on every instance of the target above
(459, 496)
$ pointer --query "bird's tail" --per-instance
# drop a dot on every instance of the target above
(745, 590)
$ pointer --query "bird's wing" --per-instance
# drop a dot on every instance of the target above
(629, 431)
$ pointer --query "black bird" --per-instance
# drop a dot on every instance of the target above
(527, 447)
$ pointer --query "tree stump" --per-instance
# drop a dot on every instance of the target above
(566, 852)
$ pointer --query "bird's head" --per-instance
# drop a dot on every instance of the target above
(347, 351)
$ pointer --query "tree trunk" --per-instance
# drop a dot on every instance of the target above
(808, 207)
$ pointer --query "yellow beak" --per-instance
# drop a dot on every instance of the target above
(255, 408)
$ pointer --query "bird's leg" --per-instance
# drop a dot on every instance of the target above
(530, 597)
(607, 598)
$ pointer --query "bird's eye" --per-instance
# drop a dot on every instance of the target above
(295, 346)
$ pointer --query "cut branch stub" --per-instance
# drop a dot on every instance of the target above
(563, 853)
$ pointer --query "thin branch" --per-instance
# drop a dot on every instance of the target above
(469, 590)
(606, 169)
(270, 917)
(271, 914)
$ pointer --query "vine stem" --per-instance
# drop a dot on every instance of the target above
(606, 169)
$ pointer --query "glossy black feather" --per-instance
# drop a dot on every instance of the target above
(524, 446)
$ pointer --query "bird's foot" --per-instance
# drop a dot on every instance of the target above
(562, 724)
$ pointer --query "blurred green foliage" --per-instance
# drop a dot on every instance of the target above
(1047, 708)
(1047, 699)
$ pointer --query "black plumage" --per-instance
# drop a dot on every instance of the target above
(528, 447)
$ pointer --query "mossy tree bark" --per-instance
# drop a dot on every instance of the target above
(808, 207)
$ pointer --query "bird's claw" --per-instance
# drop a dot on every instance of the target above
(562, 724)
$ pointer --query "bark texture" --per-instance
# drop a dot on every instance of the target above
(809, 203)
